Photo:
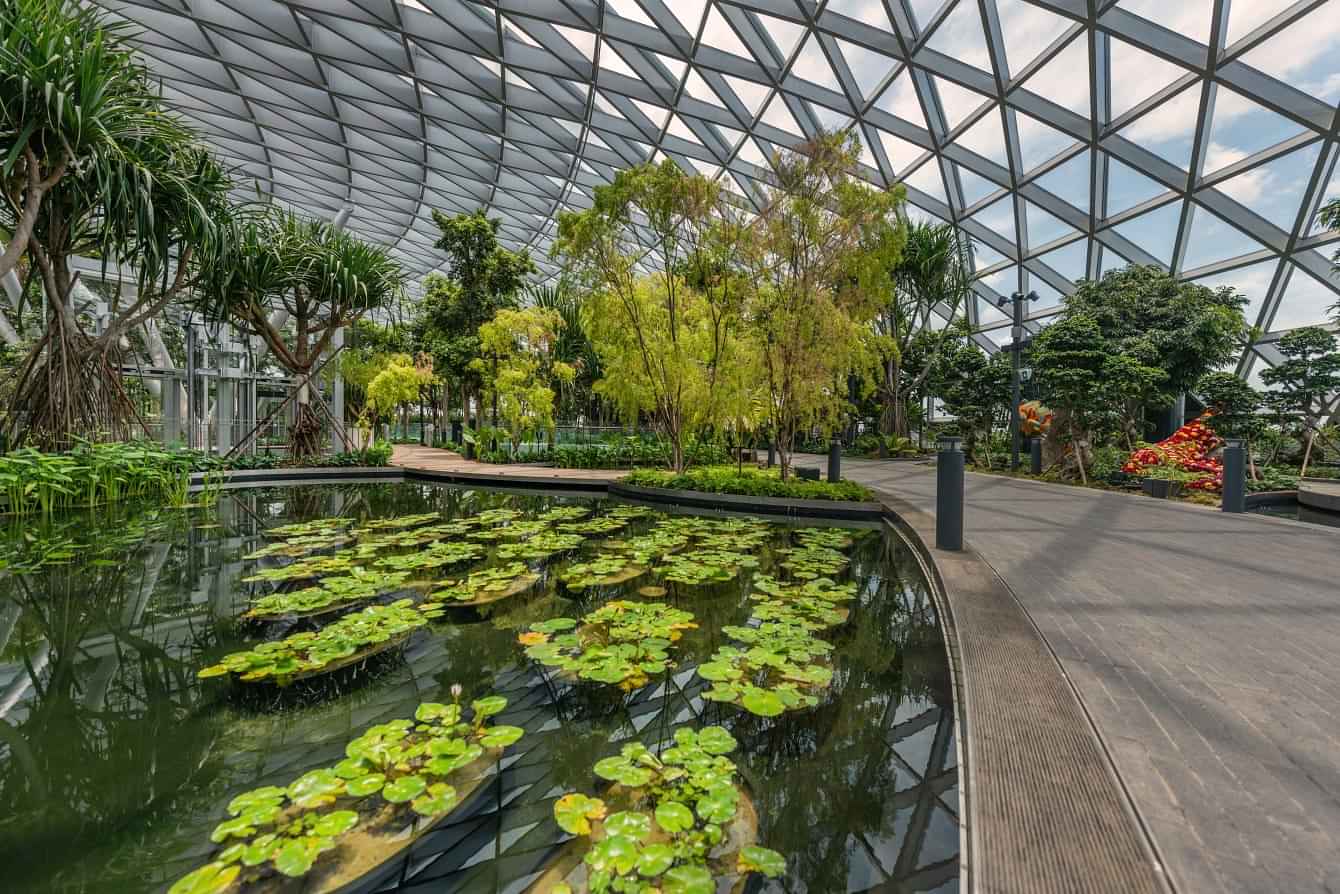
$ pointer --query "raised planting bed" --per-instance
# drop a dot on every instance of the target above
(334, 827)
(622, 643)
(484, 587)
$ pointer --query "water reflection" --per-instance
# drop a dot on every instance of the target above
(115, 762)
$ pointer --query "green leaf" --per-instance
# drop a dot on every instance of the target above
(487, 707)
(212, 878)
(366, 785)
(688, 880)
(574, 812)
(762, 702)
(439, 799)
(628, 823)
(295, 858)
(674, 817)
(406, 788)
(655, 859)
(500, 736)
(715, 740)
(760, 859)
(335, 824)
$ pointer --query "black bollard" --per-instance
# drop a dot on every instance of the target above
(455, 431)
(1235, 475)
(834, 460)
(1035, 456)
(772, 455)
(949, 495)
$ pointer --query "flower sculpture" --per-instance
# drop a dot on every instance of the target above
(1187, 449)
(1035, 419)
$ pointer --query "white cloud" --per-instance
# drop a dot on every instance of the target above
(1245, 188)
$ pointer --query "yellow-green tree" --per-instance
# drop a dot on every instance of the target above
(397, 383)
(664, 337)
(816, 259)
(517, 348)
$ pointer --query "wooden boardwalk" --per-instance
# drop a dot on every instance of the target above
(434, 459)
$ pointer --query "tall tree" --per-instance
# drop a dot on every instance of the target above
(1307, 381)
(482, 278)
(663, 337)
(525, 369)
(816, 269)
(1234, 406)
(975, 388)
(571, 346)
(931, 279)
(323, 279)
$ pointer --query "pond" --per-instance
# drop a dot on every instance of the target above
(117, 760)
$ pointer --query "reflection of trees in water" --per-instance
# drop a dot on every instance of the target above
(92, 711)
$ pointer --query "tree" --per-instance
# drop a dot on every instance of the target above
(664, 338)
(1308, 380)
(399, 382)
(369, 348)
(324, 279)
(933, 275)
(975, 388)
(1330, 218)
(816, 264)
(122, 180)
(1085, 381)
(1235, 407)
(521, 346)
(571, 345)
(1185, 330)
(482, 278)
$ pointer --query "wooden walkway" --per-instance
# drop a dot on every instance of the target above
(434, 459)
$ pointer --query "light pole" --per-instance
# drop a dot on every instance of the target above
(1016, 348)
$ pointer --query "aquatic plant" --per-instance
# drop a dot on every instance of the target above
(683, 821)
(833, 538)
(315, 526)
(397, 523)
(771, 674)
(303, 569)
(300, 545)
(650, 546)
(621, 643)
(812, 562)
(706, 566)
(603, 570)
(496, 516)
(344, 642)
(541, 546)
(404, 773)
(564, 514)
(601, 525)
(91, 474)
(487, 585)
(813, 603)
(358, 585)
(439, 555)
(630, 511)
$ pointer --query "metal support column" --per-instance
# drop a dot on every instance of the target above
(1016, 348)
(337, 435)
(224, 405)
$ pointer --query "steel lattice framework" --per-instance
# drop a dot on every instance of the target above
(1067, 137)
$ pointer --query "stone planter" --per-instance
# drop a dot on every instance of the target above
(1161, 489)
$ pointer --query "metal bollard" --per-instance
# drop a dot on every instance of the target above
(835, 460)
(1035, 456)
(772, 454)
(949, 495)
(1235, 475)
(455, 431)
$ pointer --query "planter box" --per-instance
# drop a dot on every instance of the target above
(1160, 488)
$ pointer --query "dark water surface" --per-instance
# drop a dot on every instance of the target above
(116, 762)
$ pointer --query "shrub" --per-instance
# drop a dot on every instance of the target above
(376, 454)
(750, 482)
(625, 451)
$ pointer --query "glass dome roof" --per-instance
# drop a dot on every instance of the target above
(1067, 137)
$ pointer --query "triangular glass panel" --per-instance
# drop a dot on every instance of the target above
(1274, 190)
(1329, 194)
(986, 138)
(729, 135)
(958, 102)
(1043, 226)
(1306, 302)
(829, 119)
(868, 68)
(629, 9)
(1069, 260)
(656, 114)
(785, 35)
(1111, 260)
(689, 13)
(1169, 129)
(924, 10)
(962, 37)
(1065, 79)
(512, 29)
(988, 314)
(865, 11)
(675, 67)
(927, 179)
(866, 157)
(750, 152)
(1243, 18)
(1253, 281)
(610, 59)
(1242, 127)
(1302, 55)
(780, 117)
(1049, 298)
(900, 152)
(1154, 231)
(975, 186)
(1127, 187)
(584, 41)
(696, 86)
(1027, 30)
(1138, 75)
(1038, 141)
(1212, 239)
(812, 65)
(1189, 18)
(719, 35)
(681, 130)
(1069, 182)
(750, 93)
(998, 217)
(900, 100)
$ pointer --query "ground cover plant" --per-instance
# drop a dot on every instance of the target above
(749, 482)
(92, 474)
(339, 644)
(403, 773)
(621, 643)
(679, 821)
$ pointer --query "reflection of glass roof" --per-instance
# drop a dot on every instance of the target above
(1207, 147)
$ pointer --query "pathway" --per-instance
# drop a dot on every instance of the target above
(1206, 648)
(434, 459)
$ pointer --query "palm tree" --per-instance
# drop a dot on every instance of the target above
(933, 276)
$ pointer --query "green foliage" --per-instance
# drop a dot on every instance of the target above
(404, 768)
(377, 454)
(519, 363)
(626, 451)
(341, 643)
(680, 807)
(1165, 472)
(1234, 403)
(92, 474)
(1308, 375)
(705, 565)
(602, 570)
(727, 480)
(358, 585)
(621, 643)
(399, 381)
(487, 584)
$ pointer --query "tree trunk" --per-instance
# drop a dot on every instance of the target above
(1307, 453)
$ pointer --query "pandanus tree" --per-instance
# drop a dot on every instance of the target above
(140, 193)
(931, 279)
(323, 278)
